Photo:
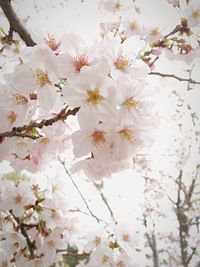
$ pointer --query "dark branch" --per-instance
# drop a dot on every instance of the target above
(9, 38)
(15, 23)
(23, 130)
(30, 244)
(153, 245)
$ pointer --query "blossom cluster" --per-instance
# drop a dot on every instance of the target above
(180, 44)
(38, 228)
(103, 84)
(66, 95)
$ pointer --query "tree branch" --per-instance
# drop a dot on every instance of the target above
(15, 22)
(10, 35)
(30, 244)
(166, 75)
(153, 245)
(22, 131)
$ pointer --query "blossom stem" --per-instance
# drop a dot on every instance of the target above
(15, 22)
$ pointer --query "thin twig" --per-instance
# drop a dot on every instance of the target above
(166, 75)
(155, 59)
(105, 202)
(81, 195)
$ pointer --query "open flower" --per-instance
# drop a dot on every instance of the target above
(78, 56)
(16, 197)
(92, 92)
(39, 76)
(192, 13)
(92, 138)
(135, 103)
(19, 108)
(123, 60)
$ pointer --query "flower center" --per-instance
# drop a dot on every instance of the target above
(98, 138)
(133, 25)
(154, 31)
(117, 5)
(54, 215)
(94, 97)
(51, 244)
(122, 63)
(126, 237)
(18, 198)
(51, 42)
(19, 99)
(196, 14)
(121, 264)
(97, 240)
(132, 103)
(80, 62)
(12, 117)
(45, 140)
(42, 78)
(127, 135)
(105, 259)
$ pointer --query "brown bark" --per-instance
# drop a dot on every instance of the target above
(15, 22)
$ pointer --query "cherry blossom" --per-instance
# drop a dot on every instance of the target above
(192, 13)
(122, 58)
(40, 76)
(74, 112)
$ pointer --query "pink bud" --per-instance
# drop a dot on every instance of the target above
(155, 52)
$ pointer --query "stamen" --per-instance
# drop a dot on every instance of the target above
(196, 13)
(45, 140)
(98, 138)
(51, 42)
(94, 97)
(154, 31)
(17, 198)
(51, 244)
(42, 78)
(127, 135)
(132, 103)
(121, 264)
(105, 259)
(123, 63)
(126, 237)
(117, 5)
(80, 62)
(19, 99)
(133, 25)
(97, 240)
(12, 117)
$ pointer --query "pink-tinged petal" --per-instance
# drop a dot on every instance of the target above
(47, 97)
(81, 144)
(133, 45)
(74, 44)
(23, 79)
